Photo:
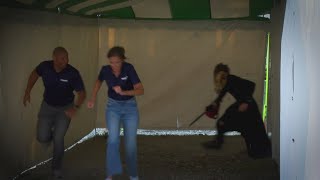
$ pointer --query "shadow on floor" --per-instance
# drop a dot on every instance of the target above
(167, 158)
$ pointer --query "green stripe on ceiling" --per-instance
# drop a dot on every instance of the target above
(40, 3)
(190, 9)
(67, 4)
(260, 7)
(180, 9)
(122, 13)
(100, 5)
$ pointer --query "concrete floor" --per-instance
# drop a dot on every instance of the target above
(167, 158)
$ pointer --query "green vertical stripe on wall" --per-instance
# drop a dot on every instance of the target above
(100, 5)
(190, 9)
(266, 80)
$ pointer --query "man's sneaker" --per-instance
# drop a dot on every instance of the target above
(57, 174)
(134, 178)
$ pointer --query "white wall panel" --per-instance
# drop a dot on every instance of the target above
(300, 91)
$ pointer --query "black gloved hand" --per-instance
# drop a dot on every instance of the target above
(210, 108)
(212, 111)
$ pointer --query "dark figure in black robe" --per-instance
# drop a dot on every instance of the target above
(242, 116)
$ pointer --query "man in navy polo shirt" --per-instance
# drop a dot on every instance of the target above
(58, 107)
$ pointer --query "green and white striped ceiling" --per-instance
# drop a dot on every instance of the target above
(152, 9)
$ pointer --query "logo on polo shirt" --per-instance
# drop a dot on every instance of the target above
(124, 78)
(64, 80)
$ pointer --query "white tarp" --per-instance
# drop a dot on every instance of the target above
(299, 128)
(175, 62)
(174, 59)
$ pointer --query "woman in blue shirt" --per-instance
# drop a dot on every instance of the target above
(123, 84)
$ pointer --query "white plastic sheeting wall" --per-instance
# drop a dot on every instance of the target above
(300, 144)
(175, 61)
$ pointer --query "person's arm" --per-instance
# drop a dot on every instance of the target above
(247, 95)
(81, 95)
(137, 90)
(212, 109)
(222, 81)
(222, 93)
(247, 92)
(78, 86)
(137, 85)
(31, 81)
(95, 91)
(80, 98)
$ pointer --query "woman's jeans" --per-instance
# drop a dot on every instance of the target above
(125, 113)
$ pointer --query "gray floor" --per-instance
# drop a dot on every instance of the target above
(167, 158)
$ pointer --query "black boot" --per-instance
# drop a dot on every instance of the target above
(260, 152)
(214, 144)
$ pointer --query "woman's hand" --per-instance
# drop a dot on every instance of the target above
(137, 90)
(243, 107)
(90, 104)
(118, 90)
(26, 99)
